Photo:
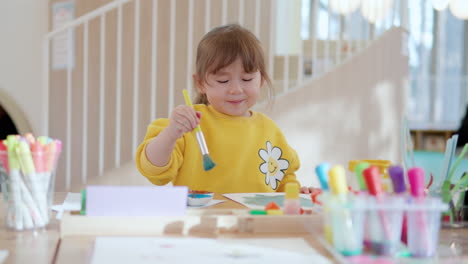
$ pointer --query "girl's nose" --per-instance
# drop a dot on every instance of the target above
(235, 88)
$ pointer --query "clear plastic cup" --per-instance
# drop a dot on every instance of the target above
(27, 192)
(457, 215)
(384, 223)
(424, 216)
(346, 220)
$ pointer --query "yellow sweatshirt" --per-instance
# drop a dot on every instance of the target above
(251, 155)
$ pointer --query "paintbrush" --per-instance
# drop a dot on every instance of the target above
(208, 163)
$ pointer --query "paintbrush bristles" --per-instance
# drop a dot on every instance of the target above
(208, 164)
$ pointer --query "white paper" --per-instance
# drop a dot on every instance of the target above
(298, 245)
(259, 200)
(62, 51)
(3, 255)
(108, 200)
(144, 250)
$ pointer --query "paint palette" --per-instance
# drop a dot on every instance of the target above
(199, 198)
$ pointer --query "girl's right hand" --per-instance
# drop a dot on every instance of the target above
(183, 119)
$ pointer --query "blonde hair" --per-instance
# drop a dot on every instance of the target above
(222, 46)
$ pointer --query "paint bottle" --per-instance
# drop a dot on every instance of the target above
(292, 204)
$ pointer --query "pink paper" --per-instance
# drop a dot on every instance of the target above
(136, 200)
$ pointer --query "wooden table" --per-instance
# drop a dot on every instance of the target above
(46, 246)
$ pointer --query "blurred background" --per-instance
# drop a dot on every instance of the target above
(346, 73)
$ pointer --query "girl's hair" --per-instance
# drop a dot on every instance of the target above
(222, 46)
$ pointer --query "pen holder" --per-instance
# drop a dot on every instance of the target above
(346, 220)
(424, 216)
(383, 224)
(27, 192)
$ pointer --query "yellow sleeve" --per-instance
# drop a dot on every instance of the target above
(290, 173)
(159, 175)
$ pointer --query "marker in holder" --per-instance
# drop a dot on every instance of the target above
(384, 215)
(346, 214)
(347, 224)
(424, 216)
(27, 181)
(390, 208)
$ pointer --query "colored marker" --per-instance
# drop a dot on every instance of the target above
(360, 179)
(398, 179)
(399, 187)
(30, 138)
(52, 151)
(292, 204)
(417, 180)
(4, 156)
(338, 182)
(349, 245)
(37, 206)
(374, 186)
(14, 177)
(322, 174)
(40, 164)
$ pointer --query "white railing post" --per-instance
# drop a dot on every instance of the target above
(84, 153)
(300, 57)
(69, 110)
(136, 75)
(207, 15)
(338, 42)
(45, 88)
(189, 46)
(437, 103)
(172, 28)
(286, 68)
(315, 38)
(241, 11)
(258, 13)
(271, 45)
(102, 83)
(154, 56)
(224, 12)
(349, 30)
(118, 105)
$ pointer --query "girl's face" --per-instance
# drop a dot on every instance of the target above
(232, 91)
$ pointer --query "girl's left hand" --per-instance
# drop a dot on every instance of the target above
(310, 190)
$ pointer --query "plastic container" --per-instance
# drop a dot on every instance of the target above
(28, 184)
(384, 221)
(424, 217)
(346, 222)
(199, 198)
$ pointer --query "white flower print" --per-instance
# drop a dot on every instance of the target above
(274, 166)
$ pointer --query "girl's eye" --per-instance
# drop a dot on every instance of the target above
(247, 80)
(223, 81)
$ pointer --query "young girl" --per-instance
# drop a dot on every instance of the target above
(250, 151)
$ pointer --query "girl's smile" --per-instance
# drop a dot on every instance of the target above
(235, 101)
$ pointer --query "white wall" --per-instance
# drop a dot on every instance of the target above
(22, 25)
